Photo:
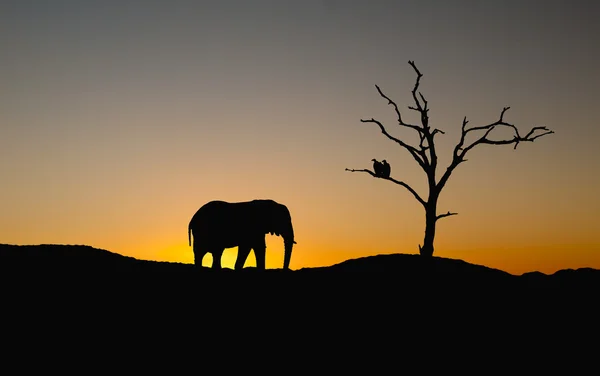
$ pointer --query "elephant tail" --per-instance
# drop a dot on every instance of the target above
(190, 235)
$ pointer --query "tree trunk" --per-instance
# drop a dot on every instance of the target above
(430, 220)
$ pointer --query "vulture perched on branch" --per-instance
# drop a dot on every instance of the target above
(386, 169)
(377, 167)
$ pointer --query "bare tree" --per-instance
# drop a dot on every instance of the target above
(426, 156)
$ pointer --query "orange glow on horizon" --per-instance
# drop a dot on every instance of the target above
(544, 259)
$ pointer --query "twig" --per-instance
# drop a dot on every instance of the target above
(408, 187)
(440, 216)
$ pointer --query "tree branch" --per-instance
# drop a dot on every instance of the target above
(420, 130)
(414, 91)
(531, 136)
(400, 121)
(460, 151)
(444, 215)
(427, 134)
(408, 187)
(416, 154)
(500, 122)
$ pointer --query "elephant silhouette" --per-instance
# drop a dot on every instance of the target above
(218, 225)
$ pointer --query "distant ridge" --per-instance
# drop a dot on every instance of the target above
(73, 257)
(89, 259)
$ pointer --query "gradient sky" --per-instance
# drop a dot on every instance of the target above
(119, 119)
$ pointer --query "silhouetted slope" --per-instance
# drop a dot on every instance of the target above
(415, 265)
(74, 258)
(404, 270)
(384, 301)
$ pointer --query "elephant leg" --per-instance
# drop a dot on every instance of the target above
(217, 254)
(198, 257)
(260, 251)
(242, 256)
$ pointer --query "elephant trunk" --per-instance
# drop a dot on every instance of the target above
(288, 241)
(287, 256)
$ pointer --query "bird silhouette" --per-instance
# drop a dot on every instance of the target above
(386, 169)
(378, 167)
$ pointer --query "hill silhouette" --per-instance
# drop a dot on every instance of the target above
(369, 297)
(404, 269)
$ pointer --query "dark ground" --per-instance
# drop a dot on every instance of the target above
(367, 276)
(85, 298)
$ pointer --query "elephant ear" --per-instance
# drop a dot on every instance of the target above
(271, 225)
(274, 218)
